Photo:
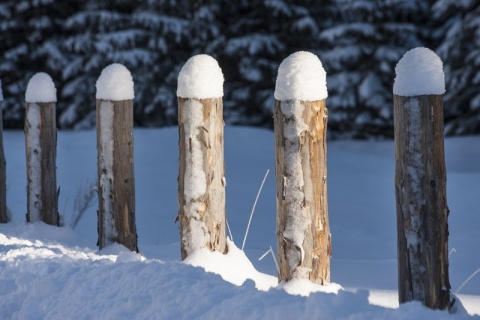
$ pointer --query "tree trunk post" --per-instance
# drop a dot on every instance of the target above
(201, 178)
(116, 179)
(3, 169)
(300, 122)
(41, 150)
(420, 181)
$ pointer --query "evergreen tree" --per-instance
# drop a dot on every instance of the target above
(456, 25)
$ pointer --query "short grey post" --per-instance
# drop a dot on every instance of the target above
(41, 149)
(3, 169)
(116, 180)
(201, 178)
(300, 118)
(420, 180)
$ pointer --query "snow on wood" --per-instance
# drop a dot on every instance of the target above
(200, 78)
(106, 179)
(41, 88)
(301, 76)
(115, 83)
(419, 72)
(34, 163)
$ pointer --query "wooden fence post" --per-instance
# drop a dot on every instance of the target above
(116, 180)
(3, 169)
(201, 178)
(300, 118)
(41, 149)
(420, 180)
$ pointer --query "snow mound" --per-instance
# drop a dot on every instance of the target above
(41, 88)
(301, 77)
(1, 93)
(419, 72)
(200, 78)
(304, 287)
(115, 83)
(233, 267)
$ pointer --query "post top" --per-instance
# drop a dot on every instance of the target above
(200, 78)
(301, 77)
(115, 83)
(419, 72)
(41, 88)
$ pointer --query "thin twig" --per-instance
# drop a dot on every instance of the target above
(467, 281)
(229, 230)
(253, 209)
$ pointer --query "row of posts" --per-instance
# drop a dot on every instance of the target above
(303, 233)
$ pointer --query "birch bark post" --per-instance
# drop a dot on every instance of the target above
(41, 150)
(420, 180)
(201, 178)
(3, 169)
(300, 121)
(116, 179)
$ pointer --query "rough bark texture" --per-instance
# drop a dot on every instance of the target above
(202, 218)
(42, 203)
(121, 189)
(422, 212)
(310, 259)
(3, 176)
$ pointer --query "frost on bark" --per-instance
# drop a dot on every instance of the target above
(3, 172)
(422, 211)
(303, 231)
(116, 180)
(201, 179)
(41, 144)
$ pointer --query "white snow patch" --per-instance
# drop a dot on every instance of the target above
(41, 88)
(419, 72)
(301, 76)
(106, 177)
(115, 83)
(233, 267)
(200, 78)
(195, 180)
(304, 287)
(34, 165)
(296, 223)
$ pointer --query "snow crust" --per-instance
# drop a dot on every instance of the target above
(195, 180)
(200, 78)
(115, 83)
(1, 92)
(301, 76)
(419, 72)
(106, 179)
(34, 165)
(41, 88)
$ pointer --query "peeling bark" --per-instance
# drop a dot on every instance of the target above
(303, 231)
(41, 149)
(422, 211)
(201, 179)
(116, 179)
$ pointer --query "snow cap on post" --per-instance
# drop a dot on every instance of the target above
(115, 84)
(301, 77)
(200, 78)
(41, 88)
(419, 72)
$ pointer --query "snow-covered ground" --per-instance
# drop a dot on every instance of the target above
(57, 273)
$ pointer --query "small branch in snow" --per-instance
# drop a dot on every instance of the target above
(253, 209)
(273, 256)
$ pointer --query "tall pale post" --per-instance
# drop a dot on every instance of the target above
(420, 180)
(300, 118)
(116, 179)
(201, 178)
(41, 150)
(3, 169)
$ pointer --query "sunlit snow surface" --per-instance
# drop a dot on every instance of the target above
(200, 78)
(57, 273)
